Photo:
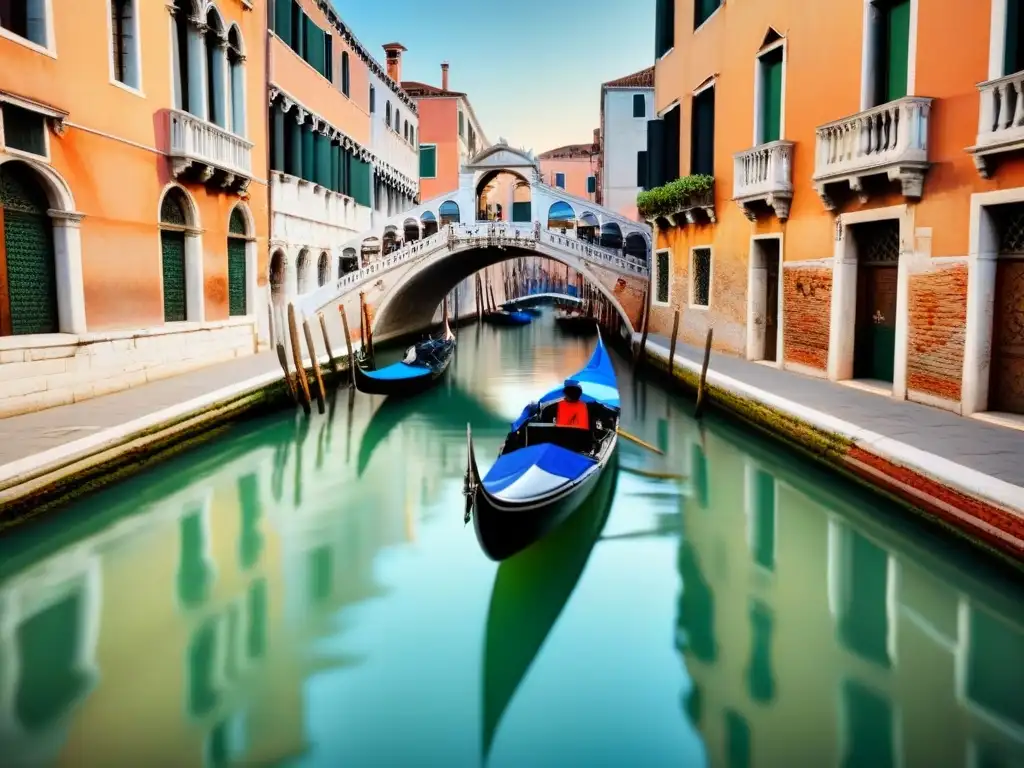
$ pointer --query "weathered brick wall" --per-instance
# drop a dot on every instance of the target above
(629, 292)
(807, 302)
(938, 317)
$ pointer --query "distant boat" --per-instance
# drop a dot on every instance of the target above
(530, 590)
(423, 366)
(574, 321)
(506, 317)
(545, 472)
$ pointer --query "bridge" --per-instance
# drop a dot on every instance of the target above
(408, 263)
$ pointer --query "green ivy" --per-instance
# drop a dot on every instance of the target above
(674, 196)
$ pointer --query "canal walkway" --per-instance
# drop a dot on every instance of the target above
(966, 472)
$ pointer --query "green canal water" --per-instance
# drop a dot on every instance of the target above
(303, 592)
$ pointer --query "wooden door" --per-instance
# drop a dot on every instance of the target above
(875, 334)
(1006, 382)
(771, 314)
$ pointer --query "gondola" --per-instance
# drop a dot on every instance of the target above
(530, 590)
(574, 321)
(505, 317)
(543, 471)
(423, 366)
(532, 311)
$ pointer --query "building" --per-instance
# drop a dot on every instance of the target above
(573, 168)
(450, 134)
(132, 190)
(848, 222)
(343, 145)
(627, 103)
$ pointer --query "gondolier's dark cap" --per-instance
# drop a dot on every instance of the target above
(572, 384)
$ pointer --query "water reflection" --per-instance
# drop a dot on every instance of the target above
(304, 592)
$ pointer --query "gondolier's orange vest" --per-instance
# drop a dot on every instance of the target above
(572, 414)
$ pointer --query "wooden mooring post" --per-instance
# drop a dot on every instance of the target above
(327, 342)
(369, 334)
(348, 344)
(479, 295)
(362, 321)
(300, 369)
(282, 358)
(699, 408)
(672, 345)
(314, 360)
(641, 349)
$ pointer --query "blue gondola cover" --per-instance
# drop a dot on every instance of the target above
(535, 470)
(399, 371)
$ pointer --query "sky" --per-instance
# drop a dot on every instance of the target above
(532, 69)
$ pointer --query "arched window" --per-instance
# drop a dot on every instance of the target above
(216, 62)
(398, 120)
(373, 99)
(405, 130)
(323, 270)
(344, 73)
(301, 269)
(187, 95)
(449, 212)
(123, 42)
(412, 136)
(277, 276)
(173, 220)
(387, 114)
(237, 231)
(236, 81)
(31, 291)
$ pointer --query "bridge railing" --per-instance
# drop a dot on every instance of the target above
(478, 234)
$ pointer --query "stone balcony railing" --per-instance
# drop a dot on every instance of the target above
(1000, 120)
(890, 139)
(764, 174)
(201, 150)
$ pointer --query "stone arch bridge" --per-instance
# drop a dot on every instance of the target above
(408, 263)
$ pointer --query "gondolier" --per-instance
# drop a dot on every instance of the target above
(571, 411)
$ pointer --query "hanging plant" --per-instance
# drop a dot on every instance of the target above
(673, 197)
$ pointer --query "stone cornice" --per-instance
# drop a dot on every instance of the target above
(395, 177)
(346, 34)
(322, 126)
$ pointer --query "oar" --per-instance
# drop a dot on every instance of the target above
(638, 441)
(655, 475)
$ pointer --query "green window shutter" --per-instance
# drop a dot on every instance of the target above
(1013, 52)
(670, 153)
(172, 246)
(702, 146)
(328, 56)
(24, 129)
(663, 277)
(664, 27)
(521, 212)
(428, 162)
(591, 185)
(771, 96)
(897, 49)
(655, 153)
(283, 20)
(639, 105)
(361, 182)
(298, 34)
(703, 10)
(308, 158)
(236, 277)
(346, 77)
(346, 172)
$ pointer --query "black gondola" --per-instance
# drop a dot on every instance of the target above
(422, 367)
(506, 317)
(530, 590)
(574, 321)
(544, 472)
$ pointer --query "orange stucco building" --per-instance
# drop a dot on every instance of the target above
(133, 192)
(573, 168)
(449, 131)
(866, 218)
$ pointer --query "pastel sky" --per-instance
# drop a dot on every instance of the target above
(532, 69)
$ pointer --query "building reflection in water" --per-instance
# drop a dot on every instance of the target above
(835, 638)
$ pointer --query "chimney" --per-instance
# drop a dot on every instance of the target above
(394, 54)
(444, 75)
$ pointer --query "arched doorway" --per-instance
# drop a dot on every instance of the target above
(561, 216)
(500, 193)
(302, 272)
(237, 232)
(173, 220)
(636, 246)
(371, 249)
(429, 224)
(411, 230)
(349, 262)
(449, 212)
(277, 276)
(588, 227)
(611, 235)
(323, 269)
(29, 304)
(390, 239)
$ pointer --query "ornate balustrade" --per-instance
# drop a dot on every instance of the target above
(1000, 120)
(764, 174)
(201, 149)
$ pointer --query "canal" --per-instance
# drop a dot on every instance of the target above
(304, 592)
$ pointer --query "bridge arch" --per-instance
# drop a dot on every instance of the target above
(412, 302)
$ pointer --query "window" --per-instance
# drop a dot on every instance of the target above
(664, 27)
(560, 180)
(412, 136)
(700, 277)
(591, 185)
(1013, 50)
(283, 17)
(405, 130)
(662, 275)
(639, 105)
(428, 161)
(298, 30)
(702, 10)
(345, 74)
(328, 56)
(889, 49)
(702, 133)
(398, 121)
(25, 18)
(641, 169)
(770, 65)
(23, 129)
(462, 124)
(122, 42)
(373, 99)
(387, 113)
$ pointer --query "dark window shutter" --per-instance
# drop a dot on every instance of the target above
(641, 169)
(591, 185)
(639, 105)
(655, 156)
(236, 277)
(283, 21)
(702, 145)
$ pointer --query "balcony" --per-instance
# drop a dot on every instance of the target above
(891, 139)
(763, 177)
(1000, 121)
(207, 153)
